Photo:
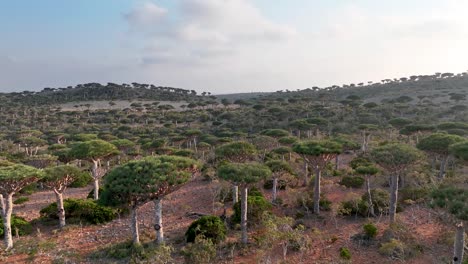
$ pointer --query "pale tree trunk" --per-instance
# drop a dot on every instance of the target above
(369, 199)
(6, 215)
(2, 204)
(318, 175)
(158, 219)
(96, 179)
(134, 226)
(443, 164)
(459, 244)
(244, 215)
(60, 208)
(393, 197)
(235, 194)
(306, 173)
(275, 188)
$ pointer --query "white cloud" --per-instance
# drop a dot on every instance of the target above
(145, 16)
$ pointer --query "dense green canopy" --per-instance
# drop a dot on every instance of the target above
(151, 178)
(279, 166)
(244, 173)
(395, 156)
(460, 150)
(317, 148)
(13, 177)
(58, 173)
(236, 151)
(439, 143)
(93, 149)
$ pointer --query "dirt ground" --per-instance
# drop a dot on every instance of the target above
(77, 243)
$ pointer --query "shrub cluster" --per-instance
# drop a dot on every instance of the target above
(79, 209)
(210, 227)
(453, 199)
(352, 181)
(18, 223)
(380, 200)
(256, 206)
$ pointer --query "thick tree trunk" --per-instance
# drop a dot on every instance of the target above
(459, 244)
(393, 197)
(96, 179)
(60, 208)
(6, 215)
(369, 199)
(318, 175)
(158, 219)
(244, 215)
(235, 194)
(443, 164)
(134, 226)
(275, 189)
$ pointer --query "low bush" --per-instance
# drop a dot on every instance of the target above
(282, 184)
(345, 253)
(18, 223)
(201, 252)
(394, 249)
(453, 199)
(307, 200)
(210, 227)
(380, 201)
(256, 206)
(79, 209)
(352, 181)
(91, 193)
(414, 194)
(254, 191)
(145, 253)
(370, 230)
(21, 200)
(82, 180)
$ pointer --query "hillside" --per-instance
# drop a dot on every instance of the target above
(438, 87)
(98, 92)
(336, 156)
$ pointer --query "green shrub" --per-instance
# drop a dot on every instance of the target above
(21, 200)
(414, 194)
(91, 193)
(308, 201)
(380, 200)
(394, 249)
(29, 189)
(79, 209)
(145, 253)
(345, 253)
(201, 252)
(254, 191)
(211, 227)
(82, 180)
(256, 206)
(370, 230)
(352, 181)
(20, 224)
(453, 199)
(282, 184)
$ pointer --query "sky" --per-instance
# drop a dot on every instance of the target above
(228, 46)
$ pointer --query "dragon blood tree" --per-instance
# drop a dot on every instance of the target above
(13, 178)
(318, 154)
(150, 179)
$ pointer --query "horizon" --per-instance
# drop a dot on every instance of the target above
(205, 45)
